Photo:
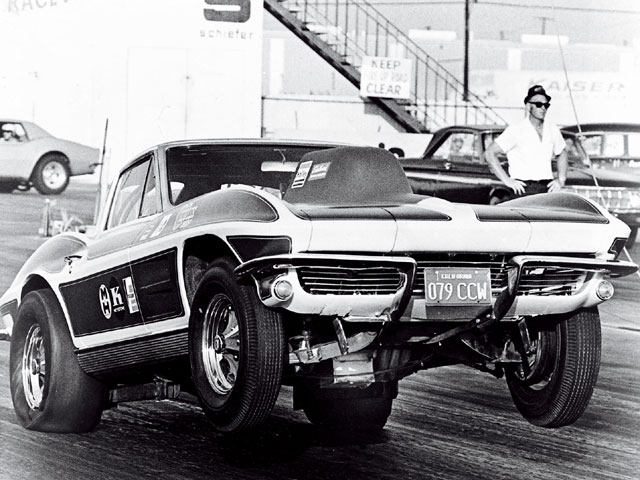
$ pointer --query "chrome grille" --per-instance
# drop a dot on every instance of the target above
(547, 281)
(326, 280)
(614, 199)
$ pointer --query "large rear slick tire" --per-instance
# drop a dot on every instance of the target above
(562, 371)
(236, 350)
(50, 391)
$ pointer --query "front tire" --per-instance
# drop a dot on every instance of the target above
(50, 391)
(236, 350)
(51, 174)
(562, 371)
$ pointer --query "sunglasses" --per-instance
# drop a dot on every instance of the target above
(541, 104)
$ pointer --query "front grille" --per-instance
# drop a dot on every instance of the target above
(325, 280)
(547, 281)
(614, 199)
(535, 279)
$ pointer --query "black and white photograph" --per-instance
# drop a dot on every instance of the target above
(319, 239)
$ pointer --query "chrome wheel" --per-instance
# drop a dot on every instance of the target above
(54, 175)
(34, 367)
(221, 345)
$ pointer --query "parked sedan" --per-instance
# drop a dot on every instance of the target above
(30, 156)
(453, 167)
(614, 146)
(230, 268)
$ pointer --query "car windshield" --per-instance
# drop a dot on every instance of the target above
(194, 170)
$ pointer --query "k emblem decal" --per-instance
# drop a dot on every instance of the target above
(237, 11)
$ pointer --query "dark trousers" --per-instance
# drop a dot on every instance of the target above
(535, 186)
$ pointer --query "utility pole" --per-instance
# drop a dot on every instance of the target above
(465, 93)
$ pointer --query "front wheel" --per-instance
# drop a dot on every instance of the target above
(51, 175)
(50, 392)
(236, 350)
(554, 388)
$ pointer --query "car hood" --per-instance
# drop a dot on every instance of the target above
(565, 223)
(606, 178)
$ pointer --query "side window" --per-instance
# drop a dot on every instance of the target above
(614, 145)
(14, 132)
(592, 144)
(128, 197)
(149, 199)
(460, 148)
(634, 144)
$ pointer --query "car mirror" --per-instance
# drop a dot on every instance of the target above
(271, 166)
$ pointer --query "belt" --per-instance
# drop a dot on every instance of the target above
(529, 182)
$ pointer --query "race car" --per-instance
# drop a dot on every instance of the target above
(228, 269)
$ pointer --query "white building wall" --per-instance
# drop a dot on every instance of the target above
(156, 69)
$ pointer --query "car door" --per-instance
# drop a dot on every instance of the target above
(154, 261)
(14, 155)
(102, 303)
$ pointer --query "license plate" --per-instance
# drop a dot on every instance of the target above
(457, 286)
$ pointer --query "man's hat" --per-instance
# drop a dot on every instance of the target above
(6, 128)
(536, 90)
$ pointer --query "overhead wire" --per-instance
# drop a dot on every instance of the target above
(575, 114)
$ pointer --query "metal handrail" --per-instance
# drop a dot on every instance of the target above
(355, 29)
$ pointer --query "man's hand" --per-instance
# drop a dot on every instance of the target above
(555, 185)
(516, 185)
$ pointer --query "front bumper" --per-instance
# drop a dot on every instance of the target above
(342, 286)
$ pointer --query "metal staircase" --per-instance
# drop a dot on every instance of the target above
(344, 31)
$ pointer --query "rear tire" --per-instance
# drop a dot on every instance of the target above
(236, 349)
(50, 391)
(563, 371)
(51, 174)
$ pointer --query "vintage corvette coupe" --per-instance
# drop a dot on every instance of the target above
(228, 269)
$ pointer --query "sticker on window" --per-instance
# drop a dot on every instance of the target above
(319, 171)
(301, 174)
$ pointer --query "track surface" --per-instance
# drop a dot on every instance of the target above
(450, 422)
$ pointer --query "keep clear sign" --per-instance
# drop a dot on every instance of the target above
(385, 77)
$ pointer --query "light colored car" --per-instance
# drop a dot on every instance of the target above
(30, 156)
(230, 268)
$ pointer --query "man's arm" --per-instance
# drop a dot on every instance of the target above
(491, 156)
(562, 164)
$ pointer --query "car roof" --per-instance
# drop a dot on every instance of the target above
(236, 142)
(604, 127)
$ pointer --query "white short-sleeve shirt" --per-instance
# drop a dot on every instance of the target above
(529, 156)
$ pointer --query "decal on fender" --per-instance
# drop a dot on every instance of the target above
(111, 301)
(161, 225)
(184, 216)
(132, 302)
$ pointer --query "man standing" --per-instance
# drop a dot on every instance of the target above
(530, 146)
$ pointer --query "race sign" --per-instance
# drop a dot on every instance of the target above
(385, 77)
